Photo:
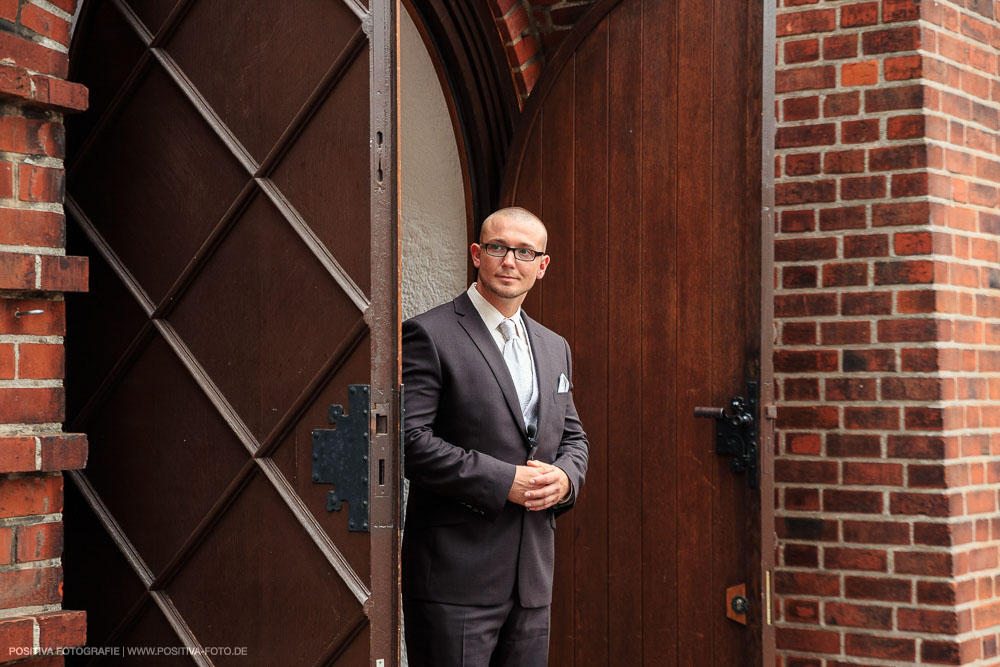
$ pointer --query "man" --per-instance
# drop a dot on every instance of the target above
(494, 450)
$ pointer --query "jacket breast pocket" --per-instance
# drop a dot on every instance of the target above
(561, 397)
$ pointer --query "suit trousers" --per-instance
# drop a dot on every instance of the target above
(455, 635)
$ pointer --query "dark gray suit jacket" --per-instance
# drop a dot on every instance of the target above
(464, 542)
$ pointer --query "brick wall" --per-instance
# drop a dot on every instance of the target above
(531, 31)
(34, 273)
(887, 360)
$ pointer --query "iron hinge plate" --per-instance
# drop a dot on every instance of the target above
(340, 457)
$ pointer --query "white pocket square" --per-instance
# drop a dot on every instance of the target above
(563, 384)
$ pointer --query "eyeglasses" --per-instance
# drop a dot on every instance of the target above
(520, 254)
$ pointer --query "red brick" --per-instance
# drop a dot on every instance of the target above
(798, 471)
(916, 301)
(814, 641)
(65, 274)
(801, 108)
(870, 419)
(804, 361)
(844, 162)
(876, 532)
(843, 275)
(914, 389)
(801, 500)
(41, 361)
(912, 330)
(862, 187)
(802, 611)
(806, 528)
(840, 46)
(900, 10)
(798, 277)
(863, 73)
(7, 364)
(800, 389)
(894, 99)
(802, 164)
(823, 134)
(62, 629)
(15, 633)
(845, 445)
(32, 228)
(798, 333)
(859, 131)
(869, 245)
(950, 653)
(897, 157)
(857, 616)
(804, 305)
(923, 504)
(902, 68)
(17, 271)
(842, 217)
(798, 221)
(45, 23)
(819, 417)
(17, 454)
(23, 588)
(32, 56)
(900, 214)
(66, 451)
(845, 333)
(858, 502)
(913, 243)
(837, 558)
(931, 564)
(802, 51)
(870, 588)
(843, 104)
(888, 41)
(8, 12)
(804, 192)
(933, 534)
(917, 447)
(857, 361)
(804, 250)
(885, 648)
(32, 405)
(52, 322)
(25, 496)
(905, 127)
(904, 272)
(6, 180)
(872, 474)
(32, 137)
(39, 541)
(800, 23)
(865, 13)
(40, 184)
(806, 583)
(802, 443)
(945, 592)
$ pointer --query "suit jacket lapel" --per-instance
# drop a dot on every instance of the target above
(470, 320)
(544, 368)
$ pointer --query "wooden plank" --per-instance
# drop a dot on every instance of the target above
(695, 457)
(732, 276)
(590, 304)
(624, 358)
(557, 122)
(660, 495)
(529, 196)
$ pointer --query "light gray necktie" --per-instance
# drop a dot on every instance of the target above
(515, 353)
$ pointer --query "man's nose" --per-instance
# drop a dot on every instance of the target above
(508, 259)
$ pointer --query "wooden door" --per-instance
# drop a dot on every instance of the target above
(640, 149)
(234, 186)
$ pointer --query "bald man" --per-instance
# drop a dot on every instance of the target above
(494, 451)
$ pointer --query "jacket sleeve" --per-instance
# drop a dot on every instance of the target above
(477, 480)
(574, 450)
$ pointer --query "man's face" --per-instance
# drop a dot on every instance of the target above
(506, 277)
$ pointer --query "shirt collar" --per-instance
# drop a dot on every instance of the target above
(491, 316)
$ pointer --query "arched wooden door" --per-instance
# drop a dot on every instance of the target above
(234, 186)
(640, 149)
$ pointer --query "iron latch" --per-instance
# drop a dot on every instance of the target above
(736, 432)
(340, 457)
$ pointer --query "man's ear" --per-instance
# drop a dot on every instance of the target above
(474, 250)
(542, 265)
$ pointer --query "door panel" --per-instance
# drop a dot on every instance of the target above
(638, 150)
(228, 183)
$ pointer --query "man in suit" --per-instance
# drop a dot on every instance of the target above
(494, 450)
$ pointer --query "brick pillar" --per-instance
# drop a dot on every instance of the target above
(34, 274)
(887, 353)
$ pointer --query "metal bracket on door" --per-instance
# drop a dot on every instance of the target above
(736, 432)
(340, 457)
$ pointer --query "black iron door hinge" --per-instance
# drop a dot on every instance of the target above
(340, 457)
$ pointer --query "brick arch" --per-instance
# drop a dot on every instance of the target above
(531, 31)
